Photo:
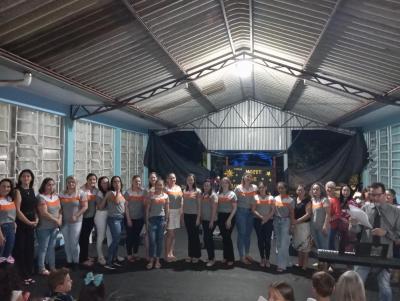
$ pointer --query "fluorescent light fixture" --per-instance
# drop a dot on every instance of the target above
(244, 68)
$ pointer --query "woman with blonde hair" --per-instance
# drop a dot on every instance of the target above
(174, 193)
(245, 193)
(350, 287)
(73, 205)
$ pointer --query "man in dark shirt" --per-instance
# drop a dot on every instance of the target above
(385, 221)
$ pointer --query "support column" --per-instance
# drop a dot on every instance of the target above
(285, 166)
(117, 152)
(69, 149)
(209, 161)
(145, 179)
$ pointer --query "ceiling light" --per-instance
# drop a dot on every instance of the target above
(244, 68)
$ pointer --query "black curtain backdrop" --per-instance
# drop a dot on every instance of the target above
(159, 157)
(348, 160)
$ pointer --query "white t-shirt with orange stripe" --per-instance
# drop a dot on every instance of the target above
(52, 202)
(245, 197)
(264, 204)
(8, 211)
(70, 205)
(319, 211)
(283, 205)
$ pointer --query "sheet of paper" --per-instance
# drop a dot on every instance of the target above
(360, 215)
(261, 298)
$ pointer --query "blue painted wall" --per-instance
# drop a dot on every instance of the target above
(29, 100)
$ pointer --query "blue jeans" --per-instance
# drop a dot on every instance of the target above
(244, 224)
(156, 235)
(47, 243)
(71, 233)
(321, 241)
(383, 277)
(8, 231)
(115, 225)
(281, 229)
(332, 239)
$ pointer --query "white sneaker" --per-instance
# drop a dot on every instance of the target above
(109, 267)
(101, 261)
(210, 263)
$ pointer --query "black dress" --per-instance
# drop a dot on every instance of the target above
(25, 235)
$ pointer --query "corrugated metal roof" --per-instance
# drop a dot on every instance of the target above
(363, 45)
(121, 48)
(324, 105)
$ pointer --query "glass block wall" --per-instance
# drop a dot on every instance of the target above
(132, 154)
(384, 152)
(31, 139)
(34, 139)
(94, 150)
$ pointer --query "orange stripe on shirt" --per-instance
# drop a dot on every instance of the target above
(223, 199)
(247, 193)
(177, 193)
(265, 202)
(135, 198)
(7, 207)
(52, 203)
(159, 201)
(317, 205)
(69, 200)
(281, 204)
(90, 197)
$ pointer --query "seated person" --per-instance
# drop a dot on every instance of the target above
(323, 286)
(280, 291)
(60, 284)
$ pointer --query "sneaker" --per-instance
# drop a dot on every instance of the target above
(3, 259)
(120, 259)
(101, 261)
(210, 263)
(117, 264)
(10, 260)
(109, 267)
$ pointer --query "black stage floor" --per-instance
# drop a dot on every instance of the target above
(195, 282)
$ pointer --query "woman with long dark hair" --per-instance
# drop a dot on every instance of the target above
(135, 197)
(100, 218)
(27, 220)
(263, 208)
(191, 216)
(156, 221)
(209, 205)
(115, 218)
(88, 219)
(50, 219)
(320, 216)
(227, 205)
(301, 231)
(8, 214)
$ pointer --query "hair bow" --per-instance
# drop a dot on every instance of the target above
(96, 279)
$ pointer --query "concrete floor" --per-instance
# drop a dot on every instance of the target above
(183, 281)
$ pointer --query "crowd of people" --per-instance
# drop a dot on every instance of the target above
(316, 218)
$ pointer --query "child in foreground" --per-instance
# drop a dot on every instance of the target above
(323, 286)
(60, 284)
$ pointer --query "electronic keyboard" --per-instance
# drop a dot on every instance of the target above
(351, 259)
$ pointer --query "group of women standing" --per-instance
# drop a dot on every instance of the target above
(319, 218)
